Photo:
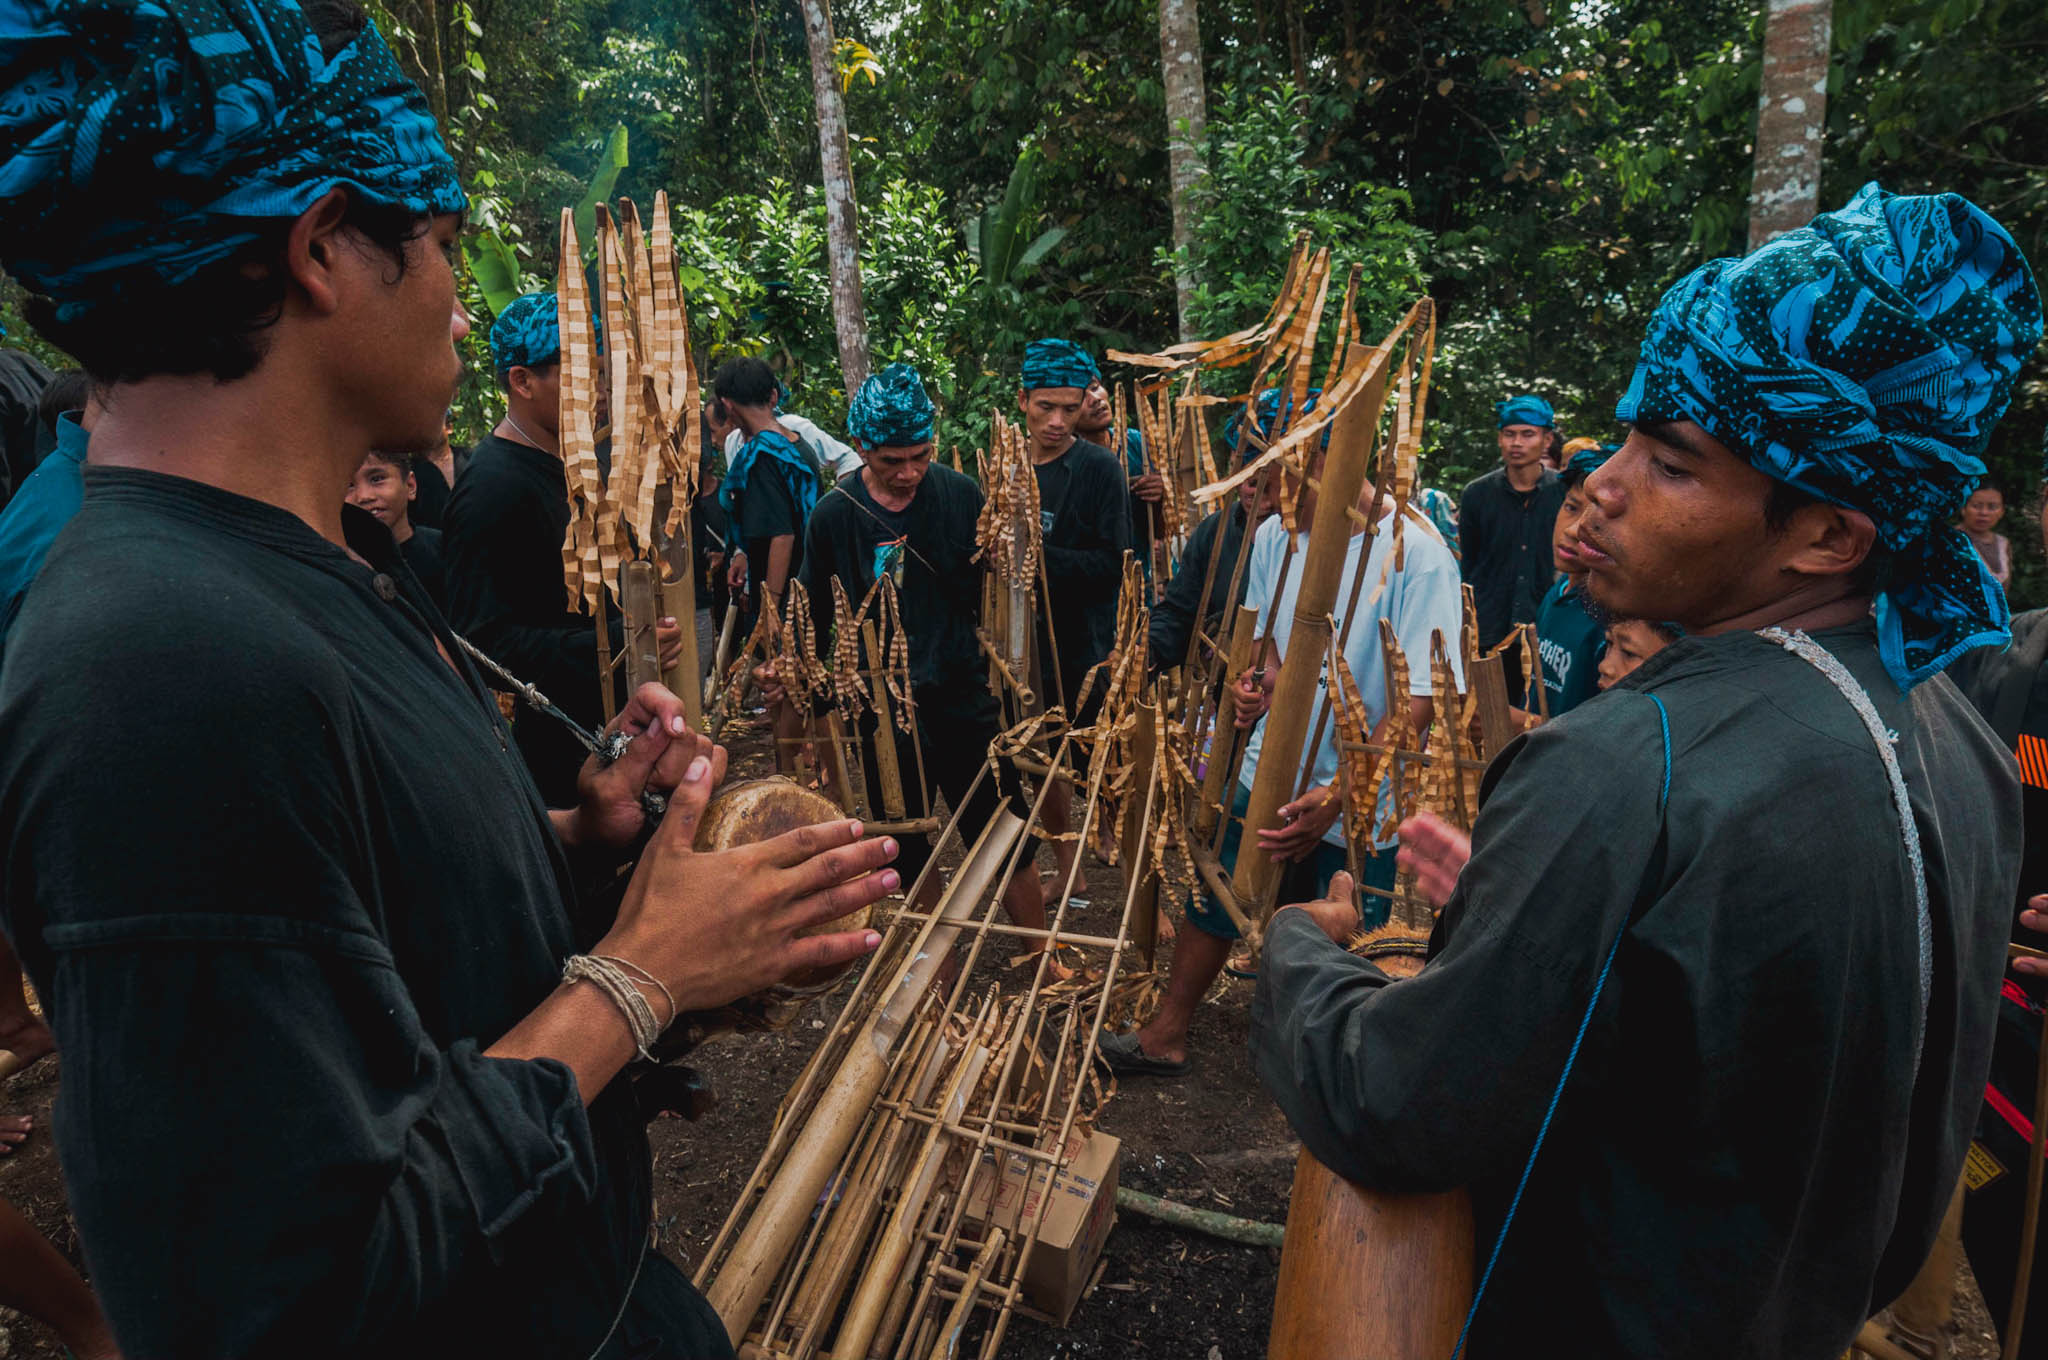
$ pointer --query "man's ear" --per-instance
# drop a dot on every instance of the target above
(1827, 540)
(519, 381)
(1022, 397)
(313, 251)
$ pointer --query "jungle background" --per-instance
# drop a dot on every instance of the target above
(1543, 169)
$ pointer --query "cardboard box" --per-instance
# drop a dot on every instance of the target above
(1078, 1217)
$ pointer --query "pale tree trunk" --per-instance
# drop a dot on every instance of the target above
(1784, 190)
(1180, 60)
(842, 233)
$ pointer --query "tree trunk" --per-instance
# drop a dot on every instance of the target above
(842, 233)
(1784, 190)
(1180, 59)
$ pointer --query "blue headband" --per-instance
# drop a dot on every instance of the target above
(1586, 462)
(1527, 409)
(1266, 417)
(528, 333)
(1058, 363)
(1863, 360)
(142, 140)
(891, 410)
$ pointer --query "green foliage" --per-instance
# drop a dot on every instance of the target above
(495, 267)
(610, 161)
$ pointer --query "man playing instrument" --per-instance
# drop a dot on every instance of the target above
(341, 1050)
(502, 549)
(1747, 999)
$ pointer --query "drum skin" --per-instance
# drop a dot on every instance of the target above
(756, 810)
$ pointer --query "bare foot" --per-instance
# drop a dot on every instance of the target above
(1057, 879)
(1164, 931)
(26, 1039)
(14, 1131)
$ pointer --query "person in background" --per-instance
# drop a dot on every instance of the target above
(1631, 642)
(1148, 488)
(1505, 524)
(834, 458)
(24, 439)
(1443, 513)
(435, 473)
(385, 486)
(1980, 517)
(1570, 636)
(50, 496)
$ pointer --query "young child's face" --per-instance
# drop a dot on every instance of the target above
(384, 489)
(1564, 539)
(1630, 643)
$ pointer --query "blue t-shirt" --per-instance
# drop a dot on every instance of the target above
(47, 500)
(1569, 642)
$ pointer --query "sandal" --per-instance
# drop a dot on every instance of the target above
(1122, 1054)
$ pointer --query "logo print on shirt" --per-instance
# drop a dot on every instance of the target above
(889, 560)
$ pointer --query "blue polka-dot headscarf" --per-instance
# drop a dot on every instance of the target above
(1057, 363)
(891, 410)
(528, 333)
(141, 140)
(1864, 359)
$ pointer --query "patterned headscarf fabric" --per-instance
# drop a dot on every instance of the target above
(1057, 363)
(891, 410)
(1864, 360)
(1587, 461)
(796, 469)
(1527, 409)
(1266, 416)
(141, 140)
(528, 333)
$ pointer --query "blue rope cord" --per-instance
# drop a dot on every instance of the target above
(1571, 1059)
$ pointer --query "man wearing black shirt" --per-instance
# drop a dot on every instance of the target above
(1505, 520)
(314, 993)
(503, 534)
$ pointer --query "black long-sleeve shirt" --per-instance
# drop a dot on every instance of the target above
(1084, 510)
(502, 546)
(1222, 536)
(929, 546)
(1506, 556)
(1743, 1162)
(279, 879)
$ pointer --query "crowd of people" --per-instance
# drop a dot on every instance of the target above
(355, 985)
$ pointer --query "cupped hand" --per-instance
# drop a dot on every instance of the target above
(1435, 852)
(2034, 917)
(1149, 487)
(668, 640)
(1250, 698)
(1303, 824)
(1335, 913)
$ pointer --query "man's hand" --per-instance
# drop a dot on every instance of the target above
(768, 678)
(2035, 918)
(736, 573)
(1251, 696)
(715, 927)
(1335, 913)
(1304, 823)
(608, 812)
(1435, 852)
(1151, 487)
(668, 640)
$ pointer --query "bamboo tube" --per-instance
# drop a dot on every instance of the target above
(604, 662)
(970, 1288)
(1141, 906)
(1225, 737)
(678, 599)
(836, 739)
(906, 1287)
(640, 602)
(1344, 470)
(888, 772)
(788, 1199)
(721, 660)
(1356, 1264)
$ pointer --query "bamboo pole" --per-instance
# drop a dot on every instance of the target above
(640, 602)
(956, 1319)
(888, 772)
(1344, 472)
(678, 598)
(1226, 740)
(1141, 907)
(786, 1203)
(605, 689)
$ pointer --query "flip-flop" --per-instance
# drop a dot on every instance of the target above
(1121, 1054)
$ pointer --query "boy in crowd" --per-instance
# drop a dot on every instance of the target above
(1569, 635)
(385, 486)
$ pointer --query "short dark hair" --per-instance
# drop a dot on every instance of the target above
(67, 391)
(214, 322)
(401, 461)
(746, 382)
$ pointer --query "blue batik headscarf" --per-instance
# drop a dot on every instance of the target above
(1058, 363)
(891, 410)
(1267, 415)
(527, 334)
(1864, 359)
(1586, 462)
(141, 140)
(797, 471)
(1527, 409)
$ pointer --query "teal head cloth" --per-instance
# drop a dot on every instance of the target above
(142, 140)
(891, 410)
(1527, 409)
(1057, 363)
(1272, 411)
(1586, 462)
(527, 333)
(1864, 360)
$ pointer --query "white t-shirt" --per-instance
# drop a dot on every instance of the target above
(1421, 599)
(843, 457)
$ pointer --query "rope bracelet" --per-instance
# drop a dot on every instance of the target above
(609, 974)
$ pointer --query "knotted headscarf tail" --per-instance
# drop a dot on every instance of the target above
(1864, 359)
(141, 140)
(528, 333)
(891, 409)
(1058, 363)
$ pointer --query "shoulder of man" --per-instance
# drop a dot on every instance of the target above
(1483, 483)
(1086, 454)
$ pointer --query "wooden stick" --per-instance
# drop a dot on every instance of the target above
(956, 1320)
(1141, 904)
(836, 736)
(1226, 739)
(640, 602)
(786, 1203)
(678, 599)
(2030, 1218)
(888, 772)
(605, 689)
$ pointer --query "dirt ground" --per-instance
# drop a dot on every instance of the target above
(1211, 1140)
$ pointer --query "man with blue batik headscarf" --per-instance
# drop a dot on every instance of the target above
(1505, 520)
(277, 821)
(1736, 986)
